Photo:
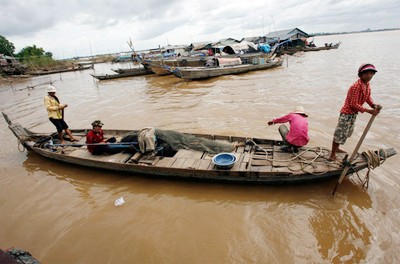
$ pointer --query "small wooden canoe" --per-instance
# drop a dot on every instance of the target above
(133, 72)
(326, 47)
(293, 50)
(257, 160)
(80, 68)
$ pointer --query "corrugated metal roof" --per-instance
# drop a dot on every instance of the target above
(228, 40)
(253, 39)
(286, 34)
(200, 45)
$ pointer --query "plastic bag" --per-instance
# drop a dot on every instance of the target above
(119, 201)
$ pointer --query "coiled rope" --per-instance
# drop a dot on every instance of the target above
(19, 146)
(319, 151)
(373, 160)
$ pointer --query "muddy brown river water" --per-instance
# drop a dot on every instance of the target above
(66, 214)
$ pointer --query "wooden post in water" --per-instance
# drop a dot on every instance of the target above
(353, 155)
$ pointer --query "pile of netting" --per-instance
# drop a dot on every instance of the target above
(177, 141)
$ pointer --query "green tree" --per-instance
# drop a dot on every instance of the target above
(37, 58)
(31, 52)
(6, 47)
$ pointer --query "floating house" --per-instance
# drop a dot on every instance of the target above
(297, 36)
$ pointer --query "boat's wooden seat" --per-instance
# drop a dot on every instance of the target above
(186, 159)
(117, 158)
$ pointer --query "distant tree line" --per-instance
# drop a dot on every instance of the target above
(27, 53)
(351, 32)
(32, 56)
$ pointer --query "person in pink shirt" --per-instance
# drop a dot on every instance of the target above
(297, 136)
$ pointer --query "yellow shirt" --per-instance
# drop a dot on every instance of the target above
(53, 107)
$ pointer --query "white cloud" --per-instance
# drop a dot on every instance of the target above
(80, 27)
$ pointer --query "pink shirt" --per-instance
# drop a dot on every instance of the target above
(298, 132)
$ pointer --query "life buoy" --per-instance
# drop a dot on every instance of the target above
(184, 62)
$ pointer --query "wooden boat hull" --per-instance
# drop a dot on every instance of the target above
(159, 70)
(245, 176)
(293, 50)
(135, 72)
(307, 49)
(158, 66)
(194, 73)
(62, 70)
(258, 160)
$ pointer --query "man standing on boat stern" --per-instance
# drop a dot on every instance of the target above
(55, 110)
(358, 94)
(297, 136)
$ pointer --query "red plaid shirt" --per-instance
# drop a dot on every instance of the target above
(358, 94)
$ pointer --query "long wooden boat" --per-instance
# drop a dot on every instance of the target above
(195, 73)
(191, 157)
(125, 70)
(293, 50)
(326, 47)
(80, 68)
(133, 72)
(158, 66)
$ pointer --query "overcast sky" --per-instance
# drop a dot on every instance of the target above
(71, 28)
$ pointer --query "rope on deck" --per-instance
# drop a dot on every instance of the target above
(19, 146)
(374, 160)
(319, 151)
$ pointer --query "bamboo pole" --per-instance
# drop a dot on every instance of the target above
(92, 144)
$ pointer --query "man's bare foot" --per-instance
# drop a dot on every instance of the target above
(62, 142)
(334, 158)
(341, 151)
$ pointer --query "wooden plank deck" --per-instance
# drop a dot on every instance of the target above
(165, 162)
(239, 160)
(189, 154)
(85, 154)
(203, 164)
(178, 163)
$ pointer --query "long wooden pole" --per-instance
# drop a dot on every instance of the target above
(353, 155)
(93, 144)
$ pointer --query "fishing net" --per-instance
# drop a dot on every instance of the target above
(177, 141)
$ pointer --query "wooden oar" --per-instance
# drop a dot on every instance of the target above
(353, 155)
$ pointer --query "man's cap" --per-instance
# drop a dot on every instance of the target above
(97, 123)
(366, 67)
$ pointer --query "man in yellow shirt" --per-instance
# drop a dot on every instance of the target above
(55, 111)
